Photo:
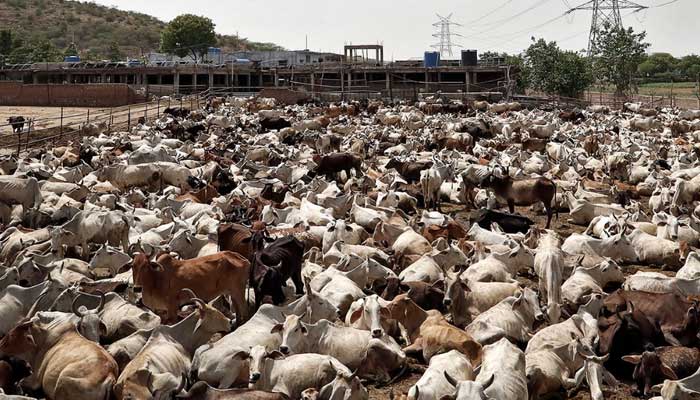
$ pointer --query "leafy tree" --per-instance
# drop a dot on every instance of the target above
(35, 50)
(71, 50)
(549, 69)
(188, 34)
(114, 52)
(7, 43)
(617, 53)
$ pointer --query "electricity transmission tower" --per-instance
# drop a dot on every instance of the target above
(605, 12)
(445, 35)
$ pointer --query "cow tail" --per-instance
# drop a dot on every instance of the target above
(554, 200)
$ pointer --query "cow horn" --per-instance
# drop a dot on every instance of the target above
(189, 292)
(75, 309)
(33, 310)
(183, 384)
(100, 306)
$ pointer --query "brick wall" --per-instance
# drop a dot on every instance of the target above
(89, 95)
(284, 96)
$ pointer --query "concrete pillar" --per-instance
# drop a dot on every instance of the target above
(260, 79)
(427, 79)
(313, 82)
(176, 82)
(160, 79)
(249, 81)
(349, 80)
(388, 79)
(194, 81)
(211, 78)
(277, 80)
(468, 81)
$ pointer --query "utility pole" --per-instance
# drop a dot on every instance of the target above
(445, 35)
(605, 12)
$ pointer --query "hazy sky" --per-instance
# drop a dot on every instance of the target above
(405, 26)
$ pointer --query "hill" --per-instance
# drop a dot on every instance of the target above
(96, 29)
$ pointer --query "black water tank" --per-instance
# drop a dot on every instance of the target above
(469, 57)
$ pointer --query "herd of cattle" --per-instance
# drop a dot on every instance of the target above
(248, 250)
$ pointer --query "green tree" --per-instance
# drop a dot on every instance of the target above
(188, 34)
(114, 52)
(35, 50)
(617, 53)
(7, 43)
(71, 50)
(550, 70)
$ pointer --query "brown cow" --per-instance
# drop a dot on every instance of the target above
(429, 331)
(331, 164)
(524, 192)
(236, 238)
(451, 230)
(204, 195)
(208, 277)
(427, 296)
(12, 370)
(590, 144)
(202, 391)
(676, 316)
(410, 171)
(66, 365)
(657, 364)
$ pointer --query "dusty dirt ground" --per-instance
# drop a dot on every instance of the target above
(415, 370)
(45, 117)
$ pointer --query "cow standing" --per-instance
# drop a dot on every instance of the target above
(17, 123)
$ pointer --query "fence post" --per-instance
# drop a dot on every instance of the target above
(145, 113)
(60, 131)
(111, 120)
(88, 115)
(128, 120)
(158, 108)
(29, 134)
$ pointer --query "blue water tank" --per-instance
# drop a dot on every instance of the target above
(214, 50)
(71, 59)
(431, 59)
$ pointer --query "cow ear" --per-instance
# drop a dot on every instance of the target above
(269, 239)
(632, 359)
(440, 284)
(385, 313)
(275, 355)
(246, 239)
(348, 228)
(304, 329)
(356, 315)
(668, 372)
(331, 228)
(277, 328)
(240, 355)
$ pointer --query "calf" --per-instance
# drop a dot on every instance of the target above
(17, 123)
(275, 264)
(511, 223)
(656, 364)
(332, 164)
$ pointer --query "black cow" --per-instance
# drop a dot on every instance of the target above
(267, 124)
(274, 264)
(331, 164)
(17, 123)
(176, 112)
(511, 223)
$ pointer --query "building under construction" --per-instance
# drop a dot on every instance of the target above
(350, 75)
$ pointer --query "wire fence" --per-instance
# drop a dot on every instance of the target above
(62, 128)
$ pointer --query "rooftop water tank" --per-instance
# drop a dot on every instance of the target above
(431, 59)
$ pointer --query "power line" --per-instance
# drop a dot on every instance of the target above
(605, 13)
(488, 14)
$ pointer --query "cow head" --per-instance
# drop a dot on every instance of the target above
(294, 334)
(372, 312)
(260, 362)
(468, 390)
(90, 324)
(146, 273)
(528, 306)
(20, 340)
(345, 386)
(58, 237)
(648, 368)
(269, 282)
